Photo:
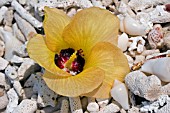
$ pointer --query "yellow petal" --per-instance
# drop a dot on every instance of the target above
(109, 58)
(54, 23)
(90, 26)
(73, 86)
(39, 52)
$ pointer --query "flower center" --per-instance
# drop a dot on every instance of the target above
(70, 60)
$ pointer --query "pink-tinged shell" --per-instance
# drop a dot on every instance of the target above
(155, 37)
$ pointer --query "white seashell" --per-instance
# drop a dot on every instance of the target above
(11, 43)
(3, 63)
(8, 17)
(132, 27)
(93, 107)
(13, 100)
(159, 67)
(120, 94)
(123, 41)
(2, 12)
(103, 102)
(110, 108)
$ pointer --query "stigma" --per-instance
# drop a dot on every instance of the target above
(70, 60)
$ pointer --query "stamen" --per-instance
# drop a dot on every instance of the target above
(69, 62)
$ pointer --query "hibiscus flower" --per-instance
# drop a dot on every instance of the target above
(79, 54)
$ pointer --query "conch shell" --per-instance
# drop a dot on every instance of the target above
(120, 94)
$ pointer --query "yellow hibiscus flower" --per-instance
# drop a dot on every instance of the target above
(79, 53)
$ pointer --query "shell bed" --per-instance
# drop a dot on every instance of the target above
(144, 38)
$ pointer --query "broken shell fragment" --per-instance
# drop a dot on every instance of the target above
(123, 41)
(120, 94)
(132, 27)
(159, 67)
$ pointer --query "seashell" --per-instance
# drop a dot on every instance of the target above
(120, 94)
(11, 43)
(3, 63)
(159, 67)
(93, 107)
(132, 27)
(123, 41)
(110, 108)
(3, 10)
(13, 101)
(155, 37)
(103, 102)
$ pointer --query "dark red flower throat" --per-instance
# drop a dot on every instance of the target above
(77, 63)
